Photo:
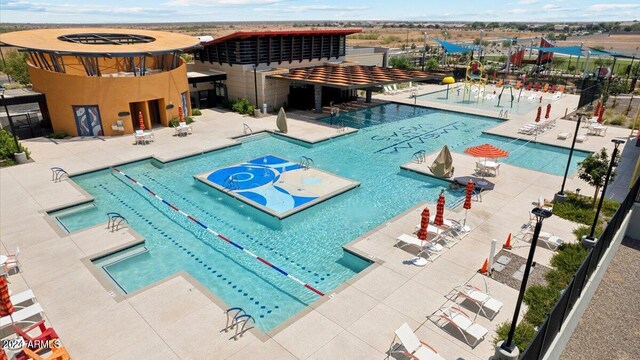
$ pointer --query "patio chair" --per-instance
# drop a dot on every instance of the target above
(483, 301)
(529, 86)
(56, 354)
(428, 247)
(554, 88)
(564, 136)
(545, 88)
(414, 347)
(518, 84)
(561, 89)
(471, 331)
(499, 84)
(21, 315)
(12, 262)
(536, 87)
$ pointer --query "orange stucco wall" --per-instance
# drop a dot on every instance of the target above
(112, 95)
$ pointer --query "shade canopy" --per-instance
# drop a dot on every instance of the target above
(487, 151)
(452, 48)
(566, 50)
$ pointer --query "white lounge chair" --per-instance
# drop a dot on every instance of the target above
(454, 228)
(428, 247)
(564, 135)
(482, 300)
(21, 314)
(23, 297)
(452, 315)
(415, 348)
(581, 138)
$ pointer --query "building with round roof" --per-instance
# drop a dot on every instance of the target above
(101, 81)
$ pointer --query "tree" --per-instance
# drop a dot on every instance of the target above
(431, 65)
(558, 61)
(16, 66)
(593, 171)
(402, 62)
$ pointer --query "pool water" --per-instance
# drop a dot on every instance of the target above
(308, 245)
(524, 106)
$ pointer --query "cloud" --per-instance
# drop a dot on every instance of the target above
(79, 9)
(550, 7)
(607, 7)
(527, 2)
(219, 3)
(326, 8)
(519, 11)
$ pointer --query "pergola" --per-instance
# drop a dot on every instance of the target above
(350, 77)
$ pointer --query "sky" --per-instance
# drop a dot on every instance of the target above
(149, 11)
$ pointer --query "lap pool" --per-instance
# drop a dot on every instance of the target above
(308, 244)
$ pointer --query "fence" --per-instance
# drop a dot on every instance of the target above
(553, 324)
(591, 90)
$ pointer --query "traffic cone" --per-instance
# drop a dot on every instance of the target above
(507, 245)
(485, 267)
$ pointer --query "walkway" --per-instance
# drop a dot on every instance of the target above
(609, 328)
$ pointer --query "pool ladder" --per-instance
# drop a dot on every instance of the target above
(230, 183)
(419, 156)
(57, 173)
(341, 128)
(306, 162)
(115, 220)
(246, 129)
(237, 318)
(504, 114)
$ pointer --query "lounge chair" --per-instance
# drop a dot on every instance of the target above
(564, 136)
(581, 138)
(454, 228)
(56, 354)
(46, 334)
(23, 297)
(452, 315)
(21, 314)
(482, 300)
(415, 348)
(427, 247)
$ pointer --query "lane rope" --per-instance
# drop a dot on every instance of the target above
(218, 235)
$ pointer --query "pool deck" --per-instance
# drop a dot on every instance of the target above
(177, 318)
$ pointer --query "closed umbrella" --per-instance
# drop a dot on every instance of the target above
(600, 114)
(439, 220)
(140, 120)
(597, 109)
(180, 114)
(467, 203)
(424, 224)
(539, 113)
(281, 121)
(546, 115)
(6, 307)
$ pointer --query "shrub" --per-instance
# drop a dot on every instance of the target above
(557, 279)
(617, 120)
(402, 62)
(175, 121)
(196, 112)
(57, 135)
(569, 257)
(521, 338)
(8, 147)
(540, 300)
(243, 106)
(584, 230)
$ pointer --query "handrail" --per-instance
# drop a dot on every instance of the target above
(115, 220)
(57, 173)
(306, 162)
(246, 128)
(419, 156)
(239, 317)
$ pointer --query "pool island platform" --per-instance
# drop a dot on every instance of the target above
(277, 186)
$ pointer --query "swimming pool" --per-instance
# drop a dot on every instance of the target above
(529, 100)
(307, 245)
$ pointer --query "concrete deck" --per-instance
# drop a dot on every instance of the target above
(357, 322)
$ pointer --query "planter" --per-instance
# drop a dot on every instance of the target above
(256, 113)
(21, 158)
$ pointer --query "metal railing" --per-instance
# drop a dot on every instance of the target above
(237, 319)
(419, 157)
(57, 174)
(115, 220)
(246, 129)
(306, 162)
(553, 324)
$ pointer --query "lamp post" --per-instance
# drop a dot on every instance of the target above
(560, 196)
(590, 240)
(480, 45)
(424, 50)
(506, 349)
(19, 155)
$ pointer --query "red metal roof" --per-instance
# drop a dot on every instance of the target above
(250, 34)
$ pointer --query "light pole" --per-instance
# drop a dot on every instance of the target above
(590, 240)
(506, 349)
(13, 131)
(424, 50)
(480, 50)
(560, 196)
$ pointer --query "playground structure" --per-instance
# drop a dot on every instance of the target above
(474, 80)
(506, 86)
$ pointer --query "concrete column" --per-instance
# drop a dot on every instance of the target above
(317, 95)
(368, 96)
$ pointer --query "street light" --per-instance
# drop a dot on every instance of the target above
(424, 49)
(560, 196)
(506, 349)
(590, 240)
(6, 109)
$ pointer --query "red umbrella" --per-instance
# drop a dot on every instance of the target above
(439, 220)
(467, 200)
(597, 110)
(486, 151)
(140, 120)
(539, 113)
(424, 223)
(6, 307)
(600, 115)
(546, 115)
(180, 115)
